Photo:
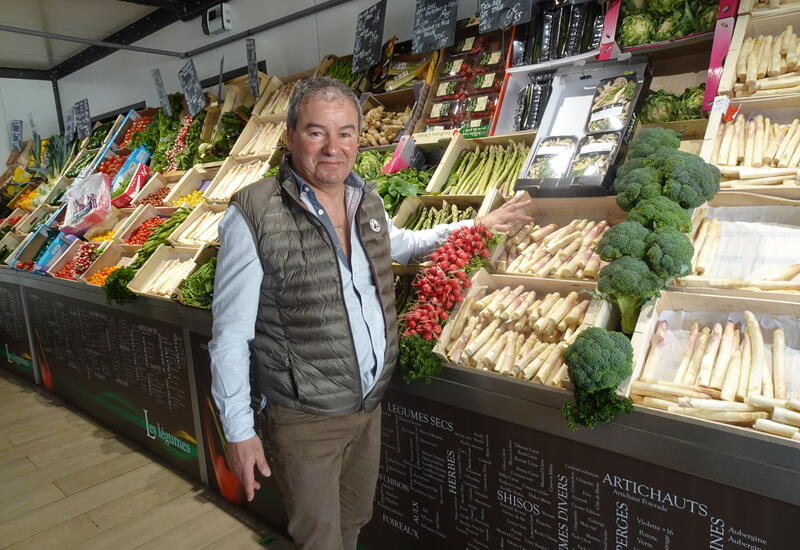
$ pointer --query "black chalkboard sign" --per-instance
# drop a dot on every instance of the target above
(434, 25)
(369, 37)
(16, 135)
(163, 100)
(501, 14)
(69, 124)
(83, 120)
(190, 84)
(252, 67)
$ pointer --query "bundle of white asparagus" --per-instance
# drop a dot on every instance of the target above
(511, 332)
(768, 65)
(550, 251)
(757, 152)
(202, 230)
(171, 275)
(239, 176)
(265, 139)
(278, 102)
(724, 374)
(706, 239)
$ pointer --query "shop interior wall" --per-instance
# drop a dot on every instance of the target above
(124, 78)
(18, 98)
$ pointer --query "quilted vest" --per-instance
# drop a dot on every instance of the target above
(303, 355)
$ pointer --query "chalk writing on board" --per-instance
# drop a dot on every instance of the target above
(369, 36)
(434, 25)
(163, 100)
(83, 120)
(252, 67)
(16, 135)
(190, 84)
(500, 14)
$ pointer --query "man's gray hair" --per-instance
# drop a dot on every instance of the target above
(320, 86)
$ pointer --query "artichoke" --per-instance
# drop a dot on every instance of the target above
(636, 29)
(660, 106)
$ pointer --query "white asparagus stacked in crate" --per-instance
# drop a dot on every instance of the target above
(722, 359)
(747, 241)
(757, 149)
(518, 327)
(259, 139)
(560, 240)
(232, 177)
(165, 270)
(200, 227)
(764, 57)
(276, 102)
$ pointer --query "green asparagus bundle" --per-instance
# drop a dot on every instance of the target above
(428, 217)
(478, 171)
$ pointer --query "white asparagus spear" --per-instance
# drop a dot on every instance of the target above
(750, 136)
(726, 348)
(575, 315)
(710, 355)
(680, 391)
(715, 405)
(785, 416)
(745, 418)
(757, 362)
(654, 355)
(491, 359)
(687, 353)
(699, 241)
(731, 382)
(533, 367)
(697, 356)
(656, 403)
(793, 404)
(473, 346)
(709, 251)
(775, 428)
(779, 363)
(529, 357)
(552, 358)
(765, 403)
(783, 274)
(758, 144)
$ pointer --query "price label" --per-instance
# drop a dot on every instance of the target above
(369, 36)
(252, 67)
(219, 82)
(16, 135)
(434, 25)
(721, 104)
(30, 121)
(69, 124)
(163, 100)
(190, 84)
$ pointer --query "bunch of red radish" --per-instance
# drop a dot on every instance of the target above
(440, 285)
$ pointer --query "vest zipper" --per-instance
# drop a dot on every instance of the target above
(316, 222)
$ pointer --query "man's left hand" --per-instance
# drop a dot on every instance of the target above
(508, 214)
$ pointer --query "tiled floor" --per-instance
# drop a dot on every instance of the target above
(67, 482)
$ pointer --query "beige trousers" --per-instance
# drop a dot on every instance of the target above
(327, 468)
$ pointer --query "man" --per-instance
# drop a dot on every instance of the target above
(304, 281)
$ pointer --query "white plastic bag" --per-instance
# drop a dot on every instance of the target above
(88, 202)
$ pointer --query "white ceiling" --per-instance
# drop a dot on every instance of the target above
(93, 19)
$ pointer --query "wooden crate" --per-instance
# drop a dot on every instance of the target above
(114, 220)
(756, 10)
(410, 205)
(782, 110)
(228, 165)
(193, 180)
(458, 144)
(68, 254)
(713, 309)
(27, 223)
(17, 212)
(113, 254)
(10, 241)
(691, 132)
(157, 181)
(394, 102)
(562, 211)
(177, 234)
(750, 26)
(705, 285)
(156, 263)
(252, 128)
(143, 212)
(599, 314)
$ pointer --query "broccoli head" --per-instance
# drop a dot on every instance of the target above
(624, 239)
(599, 359)
(661, 212)
(669, 253)
(629, 283)
(637, 185)
(630, 164)
(649, 140)
(688, 180)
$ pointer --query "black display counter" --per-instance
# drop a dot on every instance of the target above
(470, 461)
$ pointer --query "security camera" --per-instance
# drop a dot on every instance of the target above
(217, 19)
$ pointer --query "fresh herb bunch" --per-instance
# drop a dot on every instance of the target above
(393, 188)
(198, 288)
(417, 360)
(230, 127)
(98, 135)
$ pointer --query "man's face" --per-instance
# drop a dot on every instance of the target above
(324, 145)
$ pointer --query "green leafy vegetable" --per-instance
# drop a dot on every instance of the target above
(198, 288)
(636, 29)
(659, 106)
